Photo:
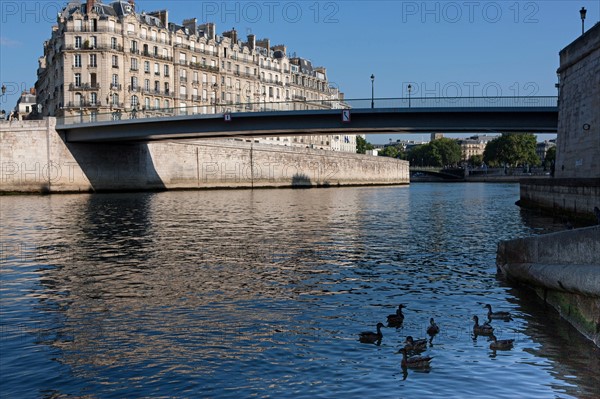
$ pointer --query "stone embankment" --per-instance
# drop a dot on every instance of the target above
(35, 158)
(563, 269)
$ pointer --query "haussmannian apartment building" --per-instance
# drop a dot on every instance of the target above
(110, 59)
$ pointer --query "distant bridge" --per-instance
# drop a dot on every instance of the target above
(390, 115)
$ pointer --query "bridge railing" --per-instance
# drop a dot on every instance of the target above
(84, 115)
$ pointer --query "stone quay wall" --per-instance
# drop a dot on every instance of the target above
(34, 158)
(563, 269)
(575, 189)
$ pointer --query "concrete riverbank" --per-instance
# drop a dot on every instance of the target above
(35, 158)
(563, 269)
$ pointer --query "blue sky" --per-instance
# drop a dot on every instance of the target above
(468, 48)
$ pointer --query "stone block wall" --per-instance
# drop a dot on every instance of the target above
(578, 139)
(35, 158)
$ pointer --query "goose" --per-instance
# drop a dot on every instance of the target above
(415, 362)
(497, 315)
(369, 337)
(433, 328)
(501, 344)
(484, 329)
(415, 345)
(397, 318)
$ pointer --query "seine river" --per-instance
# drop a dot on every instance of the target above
(241, 293)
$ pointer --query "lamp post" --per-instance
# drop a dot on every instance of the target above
(265, 100)
(582, 13)
(372, 91)
(409, 89)
(3, 89)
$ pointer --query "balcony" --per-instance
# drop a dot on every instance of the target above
(82, 104)
(115, 86)
(84, 86)
(133, 88)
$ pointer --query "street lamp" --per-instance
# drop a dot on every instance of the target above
(3, 90)
(409, 89)
(582, 12)
(372, 91)
(265, 100)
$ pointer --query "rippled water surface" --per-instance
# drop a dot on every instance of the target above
(262, 294)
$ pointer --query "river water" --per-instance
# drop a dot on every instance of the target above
(262, 293)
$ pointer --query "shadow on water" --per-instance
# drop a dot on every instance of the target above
(573, 358)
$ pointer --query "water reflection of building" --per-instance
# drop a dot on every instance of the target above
(109, 58)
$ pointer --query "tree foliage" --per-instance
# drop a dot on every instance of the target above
(512, 150)
(441, 152)
(390, 151)
(362, 145)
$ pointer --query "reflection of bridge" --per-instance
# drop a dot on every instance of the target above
(417, 115)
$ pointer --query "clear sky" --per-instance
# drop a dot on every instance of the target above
(442, 48)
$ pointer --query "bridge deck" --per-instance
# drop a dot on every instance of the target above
(530, 119)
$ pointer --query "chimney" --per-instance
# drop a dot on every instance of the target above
(32, 91)
(251, 41)
(265, 43)
(90, 6)
(234, 37)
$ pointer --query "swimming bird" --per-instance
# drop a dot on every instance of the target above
(433, 328)
(398, 318)
(415, 362)
(369, 337)
(497, 315)
(484, 329)
(501, 344)
(415, 345)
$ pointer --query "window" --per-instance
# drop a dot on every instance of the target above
(113, 43)
(167, 88)
(195, 76)
(93, 60)
(111, 26)
(147, 84)
(166, 104)
(156, 86)
(153, 34)
(115, 99)
(155, 51)
(78, 25)
(134, 47)
(156, 69)
(94, 41)
(78, 100)
(134, 101)
(165, 53)
(166, 70)
(147, 103)
(156, 103)
(115, 61)
(194, 59)
(77, 79)
(130, 28)
(115, 80)
(134, 64)
(77, 41)
(163, 37)
(147, 66)
(134, 83)
(144, 33)
(182, 58)
(93, 98)
(77, 60)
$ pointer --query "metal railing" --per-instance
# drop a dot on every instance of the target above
(300, 103)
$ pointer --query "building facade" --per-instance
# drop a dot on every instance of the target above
(474, 145)
(110, 59)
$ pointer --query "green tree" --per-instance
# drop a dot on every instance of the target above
(476, 160)
(389, 151)
(362, 145)
(440, 153)
(550, 159)
(512, 149)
